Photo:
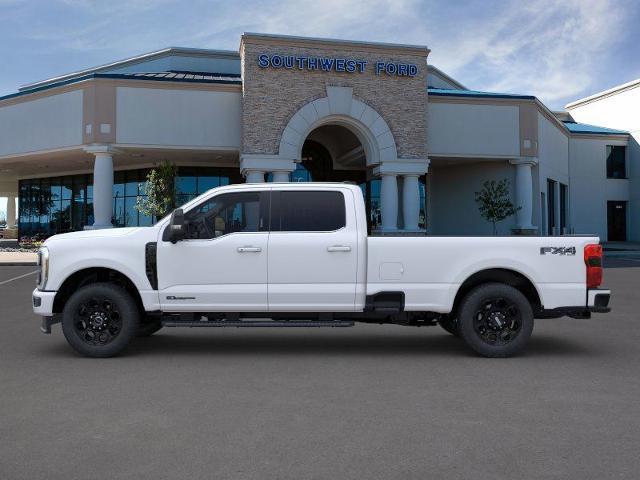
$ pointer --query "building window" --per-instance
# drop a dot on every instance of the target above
(551, 206)
(564, 207)
(616, 161)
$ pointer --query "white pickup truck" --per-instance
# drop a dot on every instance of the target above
(298, 255)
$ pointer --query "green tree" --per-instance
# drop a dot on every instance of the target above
(160, 191)
(494, 202)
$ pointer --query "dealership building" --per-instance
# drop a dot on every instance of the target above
(75, 150)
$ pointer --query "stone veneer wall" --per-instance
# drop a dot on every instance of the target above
(271, 96)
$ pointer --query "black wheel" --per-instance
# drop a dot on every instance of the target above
(495, 320)
(148, 327)
(99, 320)
(450, 324)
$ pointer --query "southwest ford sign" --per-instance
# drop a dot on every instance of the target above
(335, 64)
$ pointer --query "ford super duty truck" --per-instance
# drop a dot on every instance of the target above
(299, 255)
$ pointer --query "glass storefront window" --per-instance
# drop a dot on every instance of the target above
(61, 204)
(207, 183)
(186, 185)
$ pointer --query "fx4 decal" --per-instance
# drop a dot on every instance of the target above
(558, 250)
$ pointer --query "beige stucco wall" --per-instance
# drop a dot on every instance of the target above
(451, 197)
(590, 189)
(54, 121)
(467, 129)
(178, 117)
(271, 96)
(620, 111)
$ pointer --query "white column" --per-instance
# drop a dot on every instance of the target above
(389, 202)
(280, 176)
(411, 202)
(254, 176)
(103, 190)
(524, 193)
(11, 212)
(102, 185)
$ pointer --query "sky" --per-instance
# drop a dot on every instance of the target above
(557, 50)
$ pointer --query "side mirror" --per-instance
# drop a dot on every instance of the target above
(177, 229)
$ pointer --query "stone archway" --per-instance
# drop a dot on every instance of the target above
(340, 108)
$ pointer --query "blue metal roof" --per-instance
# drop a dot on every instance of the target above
(188, 77)
(445, 92)
(575, 127)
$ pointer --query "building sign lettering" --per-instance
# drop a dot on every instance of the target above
(335, 64)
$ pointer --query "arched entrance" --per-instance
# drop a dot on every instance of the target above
(333, 153)
(340, 138)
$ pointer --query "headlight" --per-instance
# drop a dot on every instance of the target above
(43, 263)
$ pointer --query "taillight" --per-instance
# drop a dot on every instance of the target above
(593, 261)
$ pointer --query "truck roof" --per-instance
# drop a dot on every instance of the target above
(296, 185)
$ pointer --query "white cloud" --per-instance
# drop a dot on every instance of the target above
(545, 48)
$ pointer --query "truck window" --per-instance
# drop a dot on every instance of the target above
(308, 211)
(227, 213)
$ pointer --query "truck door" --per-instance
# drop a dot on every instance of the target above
(312, 250)
(221, 265)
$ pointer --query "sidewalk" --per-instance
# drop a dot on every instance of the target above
(18, 259)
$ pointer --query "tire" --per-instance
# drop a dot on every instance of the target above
(495, 320)
(148, 328)
(100, 319)
(449, 324)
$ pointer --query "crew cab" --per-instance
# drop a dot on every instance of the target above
(299, 255)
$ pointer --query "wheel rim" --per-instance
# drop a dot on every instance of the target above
(497, 321)
(97, 321)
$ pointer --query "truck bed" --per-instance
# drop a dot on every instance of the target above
(430, 270)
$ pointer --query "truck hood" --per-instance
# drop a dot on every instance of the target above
(102, 233)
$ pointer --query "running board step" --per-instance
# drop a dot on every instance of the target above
(260, 323)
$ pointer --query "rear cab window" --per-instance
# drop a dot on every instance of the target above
(307, 211)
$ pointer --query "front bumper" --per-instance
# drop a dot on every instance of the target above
(42, 302)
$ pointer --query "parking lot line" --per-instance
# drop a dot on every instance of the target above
(18, 277)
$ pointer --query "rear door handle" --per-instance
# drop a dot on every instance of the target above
(339, 248)
(249, 249)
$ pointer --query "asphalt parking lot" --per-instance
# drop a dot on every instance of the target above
(368, 402)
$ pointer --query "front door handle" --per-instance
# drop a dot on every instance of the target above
(249, 249)
(339, 248)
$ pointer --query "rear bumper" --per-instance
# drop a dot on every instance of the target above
(597, 302)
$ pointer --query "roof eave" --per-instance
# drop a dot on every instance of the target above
(605, 93)
(131, 61)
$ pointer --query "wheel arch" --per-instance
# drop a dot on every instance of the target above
(506, 276)
(87, 276)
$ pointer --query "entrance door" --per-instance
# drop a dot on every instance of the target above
(313, 251)
(221, 265)
(617, 221)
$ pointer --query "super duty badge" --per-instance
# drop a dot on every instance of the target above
(558, 250)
